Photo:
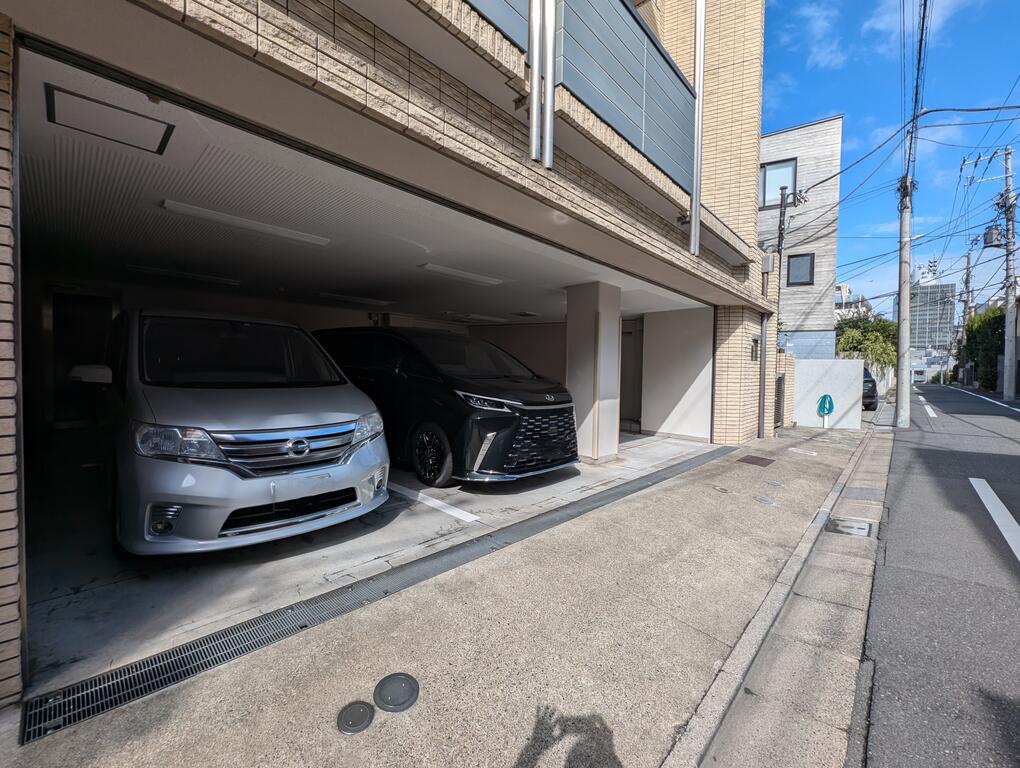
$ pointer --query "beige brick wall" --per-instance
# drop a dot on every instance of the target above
(10, 552)
(651, 12)
(735, 416)
(734, 56)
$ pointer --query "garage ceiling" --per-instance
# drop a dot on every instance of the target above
(107, 194)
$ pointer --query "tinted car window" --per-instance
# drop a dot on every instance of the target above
(350, 350)
(198, 352)
(468, 357)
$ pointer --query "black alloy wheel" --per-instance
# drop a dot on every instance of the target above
(431, 456)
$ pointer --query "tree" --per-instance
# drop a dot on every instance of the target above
(871, 339)
(986, 338)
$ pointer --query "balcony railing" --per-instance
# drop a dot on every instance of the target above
(609, 59)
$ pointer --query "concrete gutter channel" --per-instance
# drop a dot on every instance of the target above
(665, 613)
(795, 691)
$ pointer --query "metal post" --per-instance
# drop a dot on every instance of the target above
(699, 122)
(762, 372)
(548, 74)
(1009, 353)
(903, 319)
(535, 54)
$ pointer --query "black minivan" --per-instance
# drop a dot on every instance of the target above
(456, 407)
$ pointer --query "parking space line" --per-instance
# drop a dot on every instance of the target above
(442, 506)
(1007, 524)
(931, 413)
(975, 394)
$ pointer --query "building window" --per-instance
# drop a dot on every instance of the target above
(771, 177)
(755, 348)
(800, 269)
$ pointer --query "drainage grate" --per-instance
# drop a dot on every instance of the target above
(849, 527)
(56, 710)
(758, 461)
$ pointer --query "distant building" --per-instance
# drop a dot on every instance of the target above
(799, 158)
(932, 314)
(993, 303)
(848, 305)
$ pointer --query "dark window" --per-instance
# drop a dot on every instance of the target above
(800, 269)
(349, 350)
(465, 356)
(771, 177)
(199, 352)
(755, 348)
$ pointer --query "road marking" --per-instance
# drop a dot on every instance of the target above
(931, 413)
(1008, 526)
(442, 506)
(975, 394)
(919, 397)
(915, 389)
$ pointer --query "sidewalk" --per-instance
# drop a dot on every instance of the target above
(612, 626)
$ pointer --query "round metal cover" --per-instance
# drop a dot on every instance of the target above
(396, 692)
(355, 717)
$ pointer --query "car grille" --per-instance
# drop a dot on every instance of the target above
(268, 452)
(544, 437)
(266, 515)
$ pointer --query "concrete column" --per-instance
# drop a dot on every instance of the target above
(593, 367)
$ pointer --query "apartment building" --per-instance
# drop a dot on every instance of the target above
(805, 159)
(389, 162)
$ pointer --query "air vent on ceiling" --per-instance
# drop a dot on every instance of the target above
(97, 118)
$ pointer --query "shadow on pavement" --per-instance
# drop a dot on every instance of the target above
(1005, 712)
(593, 740)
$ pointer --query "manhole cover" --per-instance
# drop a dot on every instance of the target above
(355, 717)
(396, 692)
(758, 461)
(765, 500)
(849, 527)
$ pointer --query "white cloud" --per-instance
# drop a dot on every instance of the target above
(884, 22)
(776, 91)
(818, 23)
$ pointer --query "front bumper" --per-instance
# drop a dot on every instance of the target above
(525, 442)
(207, 495)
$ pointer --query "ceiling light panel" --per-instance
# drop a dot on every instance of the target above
(221, 217)
(106, 121)
(460, 274)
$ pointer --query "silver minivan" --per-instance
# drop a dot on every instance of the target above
(230, 431)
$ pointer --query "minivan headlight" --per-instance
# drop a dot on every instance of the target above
(368, 426)
(487, 403)
(183, 442)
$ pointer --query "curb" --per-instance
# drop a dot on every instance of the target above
(701, 729)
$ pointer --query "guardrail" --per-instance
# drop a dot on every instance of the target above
(609, 59)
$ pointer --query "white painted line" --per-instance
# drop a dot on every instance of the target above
(931, 413)
(915, 389)
(1008, 526)
(921, 398)
(442, 506)
(975, 394)
(801, 450)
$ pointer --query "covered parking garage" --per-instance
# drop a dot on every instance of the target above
(130, 201)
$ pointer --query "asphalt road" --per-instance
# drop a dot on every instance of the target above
(944, 628)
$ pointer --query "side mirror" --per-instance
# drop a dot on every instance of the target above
(91, 374)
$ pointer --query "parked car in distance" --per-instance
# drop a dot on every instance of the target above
(231, 431)
(457, 407)
(869, 398)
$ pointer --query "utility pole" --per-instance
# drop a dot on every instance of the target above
(1009, 353)
(763, 344)
(903, 320)
(962, 348)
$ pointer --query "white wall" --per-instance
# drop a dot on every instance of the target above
(842, 379)
(676, 395)
(540, 346)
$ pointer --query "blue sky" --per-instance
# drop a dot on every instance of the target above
(824, 57)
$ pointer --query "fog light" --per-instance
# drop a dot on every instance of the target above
(162, 518)
(380, 478)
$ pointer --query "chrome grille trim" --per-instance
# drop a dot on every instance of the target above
(261, 452)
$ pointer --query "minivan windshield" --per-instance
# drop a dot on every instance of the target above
(199, 352)
(469, 358)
